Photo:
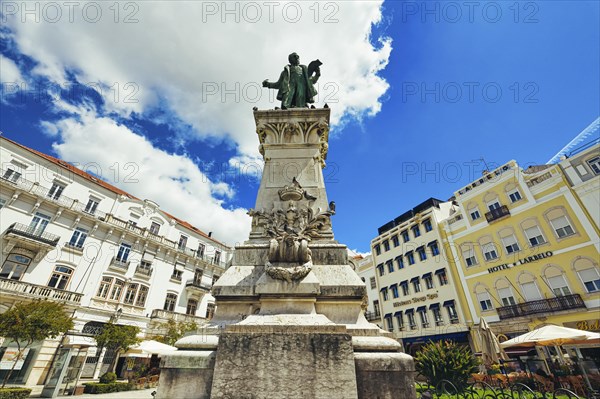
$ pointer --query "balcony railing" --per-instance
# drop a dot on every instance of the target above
(193, 284)
(143, 271)
(74, 204)
(497, 213)
(370, 316)
(168, 315)
(33, 234)
(566, 302)
(119, 264)
(539, 179)
(38, 291)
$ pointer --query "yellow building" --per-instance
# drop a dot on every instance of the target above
(527, 250)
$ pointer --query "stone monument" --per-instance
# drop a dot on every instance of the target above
(289, 321)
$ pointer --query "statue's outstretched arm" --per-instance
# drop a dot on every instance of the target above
(274, 85)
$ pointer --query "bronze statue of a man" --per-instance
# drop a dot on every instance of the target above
(295, 84)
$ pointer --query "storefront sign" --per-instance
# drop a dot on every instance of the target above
(10, 356)
(585, 325)
(528, 259)
(415, 300)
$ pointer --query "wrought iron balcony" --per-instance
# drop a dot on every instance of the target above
(197, 286)
(371, 316)
(31, 233)
(496, 214)
(143, 271)
(33, 291)
(176, 316)
(119, 264)
(566, 302)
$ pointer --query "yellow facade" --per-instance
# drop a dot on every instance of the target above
(526, 250)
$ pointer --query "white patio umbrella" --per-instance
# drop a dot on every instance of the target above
(491, 351)
(552, 335)
(151, 347)
(556, 335)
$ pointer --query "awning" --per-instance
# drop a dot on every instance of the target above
(449, 303)
(457, 337)
(426, 275)
(407, 311)
(434, 306)
(150, 347)
(440, 271)
(422, 247)
(422, 309)
(387, 316)
(380, 265)
(414, 279)
(398, 313)
(383, 289)
(80, 340)
(393, 285)
(432, 243)
(399, 258)
(405, 282)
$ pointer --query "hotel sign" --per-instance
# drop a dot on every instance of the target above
(415, 300)
(528, 259)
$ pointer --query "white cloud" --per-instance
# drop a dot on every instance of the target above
(189, 54)
(199, 67)
(148, 172)
(9, 71)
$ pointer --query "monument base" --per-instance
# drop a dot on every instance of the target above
(303, 357)
(292, 362)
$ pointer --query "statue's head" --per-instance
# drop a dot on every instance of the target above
(294, 59)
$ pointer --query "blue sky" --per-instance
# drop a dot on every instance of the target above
(420, 93)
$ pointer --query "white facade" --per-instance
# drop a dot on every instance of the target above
(417, 292)
(366, 271)
(69, 236)
(583, 172)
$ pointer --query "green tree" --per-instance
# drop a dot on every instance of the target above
(118, 338)
(446, 360)
(174, 331)
(26, 323)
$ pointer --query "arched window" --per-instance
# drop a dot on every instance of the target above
(60, 277)
(468, 253)
(473, 211)
(484, 298)
(488, 248)
(170, 302)
(136, 294)
(110, 288)
(505, 293)
(560, 222)
(531, 291)
(555, 277)
(15, 266)
(587, 270)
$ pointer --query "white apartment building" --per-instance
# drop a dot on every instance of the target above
(366, 271)
(417, 292)
(68, 236)
(582, 169)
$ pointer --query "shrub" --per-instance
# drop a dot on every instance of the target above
(14, 393)
(439, 361)
(97, 387)
(108, 378)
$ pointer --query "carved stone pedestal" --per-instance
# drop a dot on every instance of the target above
(289, 321)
